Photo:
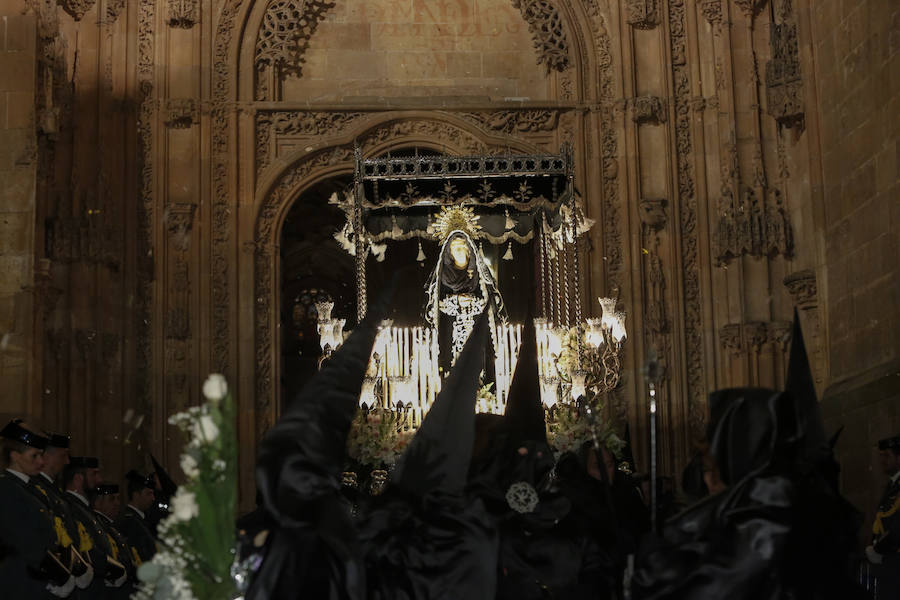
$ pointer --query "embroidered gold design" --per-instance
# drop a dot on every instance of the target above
(62, 536)
(86, 544)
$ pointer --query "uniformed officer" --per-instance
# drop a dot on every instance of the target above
(107, 505)
(80, 475)
(28, 567)
(46, 486)
(132, 523)
(885, 548)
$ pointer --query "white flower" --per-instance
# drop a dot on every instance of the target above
(184, 505)
(215, 387)
(219, 464)
(189, 465)
(205, 429)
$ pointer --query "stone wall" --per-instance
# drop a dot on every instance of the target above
(856, 44)
(17, 208)
(385, 48)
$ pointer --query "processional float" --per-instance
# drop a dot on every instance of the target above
(500, 200)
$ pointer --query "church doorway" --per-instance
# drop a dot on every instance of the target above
(314, 268)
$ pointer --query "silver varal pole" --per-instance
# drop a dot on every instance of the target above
(653, 457)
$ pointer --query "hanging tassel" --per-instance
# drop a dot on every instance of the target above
(509, 254)
(421, 255)
(510, 224)
(395, 229)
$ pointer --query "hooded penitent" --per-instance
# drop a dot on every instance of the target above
(544, 551)
(518, 452)
(424, 538)
(779, 530)
(313, 550)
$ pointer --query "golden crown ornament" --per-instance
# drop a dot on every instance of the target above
(456, 218)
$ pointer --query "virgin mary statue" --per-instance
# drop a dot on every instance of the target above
(460, 288)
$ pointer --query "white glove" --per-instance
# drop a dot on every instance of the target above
(873, 556)
(118, 582)
(86, 578)
(64, 590)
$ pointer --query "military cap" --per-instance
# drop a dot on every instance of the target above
(84, 462)
(890, 443)
(16, 433)
(145, 480)
(58, 440)
(107, 489)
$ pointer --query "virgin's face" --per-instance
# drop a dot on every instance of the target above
(459, 252)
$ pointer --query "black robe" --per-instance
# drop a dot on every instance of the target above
(780, 531)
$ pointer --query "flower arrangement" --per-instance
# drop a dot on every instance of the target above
(486, 400)
(567, 359)
(374, 441)
(568, 430)
(197, 537)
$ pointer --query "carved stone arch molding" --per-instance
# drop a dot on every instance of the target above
(458, 132)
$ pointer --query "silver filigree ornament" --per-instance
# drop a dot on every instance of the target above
(521, 497)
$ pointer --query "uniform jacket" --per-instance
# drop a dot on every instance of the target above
(26, 533)
(121, 551)
(886, 529)
(50, 494)
(137, 532)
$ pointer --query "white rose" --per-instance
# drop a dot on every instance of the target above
(215, 387)
(189, 465)
(184, 505)
(205, 429)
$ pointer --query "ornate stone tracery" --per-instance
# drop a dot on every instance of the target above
(549, 34)
(515, 121)
(690, 266)
(283, 38)
(77, 8)
(221, 212)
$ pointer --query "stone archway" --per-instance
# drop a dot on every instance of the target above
(245, 163)
(442, 134)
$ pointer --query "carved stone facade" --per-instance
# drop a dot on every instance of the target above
(648, 109)
(642, 14)
(711, 11)
(803, 289)
(784, 81)
(183, 14)
(156, 254)
(181, 113)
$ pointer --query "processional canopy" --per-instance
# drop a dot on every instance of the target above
(495, 199)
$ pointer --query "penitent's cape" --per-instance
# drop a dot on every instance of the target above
(780, 530)
(313, 550)
(424, 537)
